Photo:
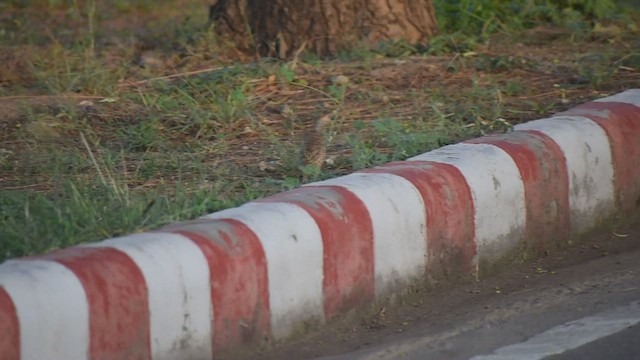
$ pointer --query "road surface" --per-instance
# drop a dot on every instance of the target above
(581, 303)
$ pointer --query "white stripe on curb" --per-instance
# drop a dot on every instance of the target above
(586, 149)
(630, 97)
(177, 277)
(48, 298)
(292, 244)
(497, 190)
(398, 217)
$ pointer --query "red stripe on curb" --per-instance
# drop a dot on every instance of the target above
(118, 301)
(544, 173)
(621, 122)
(239, 282)
(451, 247)
(347, 238)
(9, 328)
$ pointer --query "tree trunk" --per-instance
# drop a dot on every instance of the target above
(280, 28)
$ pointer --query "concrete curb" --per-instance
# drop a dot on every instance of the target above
(258, 271)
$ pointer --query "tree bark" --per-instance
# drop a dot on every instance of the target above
(280, 28)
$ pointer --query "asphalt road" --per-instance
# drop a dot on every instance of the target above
(586, 311)
(579, 303)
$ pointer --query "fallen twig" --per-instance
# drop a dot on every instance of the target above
(173, 76)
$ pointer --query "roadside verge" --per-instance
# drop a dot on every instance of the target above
(259, 271)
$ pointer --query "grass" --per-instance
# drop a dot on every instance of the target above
(111, 126)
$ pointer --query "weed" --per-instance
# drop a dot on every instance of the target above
(337, 92)
(451, 43)
(145, 134)
(310, 172)
(595, 69)
(364, 154)
(32, 223)
(106, 202)
(397, 48)
(288, 74)
(489, 16)
(489, 63)
(513, 87)
(359, 52)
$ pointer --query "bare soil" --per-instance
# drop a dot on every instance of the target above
(510, 79)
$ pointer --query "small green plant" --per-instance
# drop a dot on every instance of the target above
(488, 63)
(595, 69)
(287, 73)
(364, 152)
(290, 183)
(337, 92)
(410, 137)
(489, 16)
(106, 201)
(310, 172)
(32, 223)
(143, 135)
(359, 52)
(456, 42)
(397, 48)
(513, 87)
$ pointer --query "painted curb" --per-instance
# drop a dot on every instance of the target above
(259, 271)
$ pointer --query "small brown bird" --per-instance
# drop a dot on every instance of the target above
(313, 146)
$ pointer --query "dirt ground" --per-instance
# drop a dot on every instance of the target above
(409, 314)
(507, 80)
